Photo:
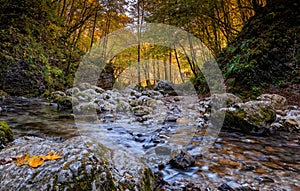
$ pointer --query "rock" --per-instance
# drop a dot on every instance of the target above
(123, 106)
(165, 87)
(84, 165)
(72, 91)
(229, 99)
(290, 122)
(64, 102)
(55, 96)
(89, 107)
(3, 94)
(98, 89)
(219, 101)
(106, 106)
(141, 110)
(278, 102)
(250, 117)
(171, 118)
(232, 186)
(6, 134)
(182, 160)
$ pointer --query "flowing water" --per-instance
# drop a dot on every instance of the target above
(263, 163)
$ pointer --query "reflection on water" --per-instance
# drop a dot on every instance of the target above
(36, 117)
(265, 163)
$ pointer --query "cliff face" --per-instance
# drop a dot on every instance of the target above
(265, 55)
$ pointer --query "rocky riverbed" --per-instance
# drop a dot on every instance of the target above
(126, 133)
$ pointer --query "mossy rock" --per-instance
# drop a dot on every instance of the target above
(3, 94)
(64, 103)
(84, 165)
(6, 134)
(250, 117)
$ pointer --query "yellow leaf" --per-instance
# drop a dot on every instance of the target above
(52, 156)
(23, 160)
(35, 161)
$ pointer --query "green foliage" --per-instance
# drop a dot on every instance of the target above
(263, 54)
(32, 49)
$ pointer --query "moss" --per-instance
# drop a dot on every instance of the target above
(237, 120)
(6, 134)
(3, 94)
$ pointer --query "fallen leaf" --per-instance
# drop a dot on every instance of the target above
(22, 160)
(35, 161)
(52, 156)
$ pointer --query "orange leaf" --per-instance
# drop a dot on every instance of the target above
(23, 160)
(52, 156)
(35, 161)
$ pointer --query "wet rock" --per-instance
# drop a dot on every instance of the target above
(232, 186)
(85, 96)
(224, 100)
(149, 145)
(141, 110)
(98, 89)
(250, 117)
(182, 160)
(265, 179)
(6, 134)
(64, 102)
(139, 139)
(290, 122)
(123, 106)
(55, 96)
(84, 165)
(291, 125)
(106, 106)
(165, 87)
(72, 91)
(278, 102)
(84, 86)
(135, 93)
(144, 100)
(225, 187)
(171, 118)
(89, 107)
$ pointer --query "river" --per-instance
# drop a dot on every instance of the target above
(263, 163)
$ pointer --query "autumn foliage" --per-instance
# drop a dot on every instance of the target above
(36, 161)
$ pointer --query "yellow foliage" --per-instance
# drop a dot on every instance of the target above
(23, 160)
(36, 161)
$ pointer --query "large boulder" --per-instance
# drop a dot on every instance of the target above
(250, 117)
(278, 102)
(84, 165)
(165, 87)
(6, 134)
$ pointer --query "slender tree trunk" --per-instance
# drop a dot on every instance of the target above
(93, 32)
(170, 66)
(139, 45)
(178, 64)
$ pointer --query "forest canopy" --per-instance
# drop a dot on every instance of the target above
(43, 41)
